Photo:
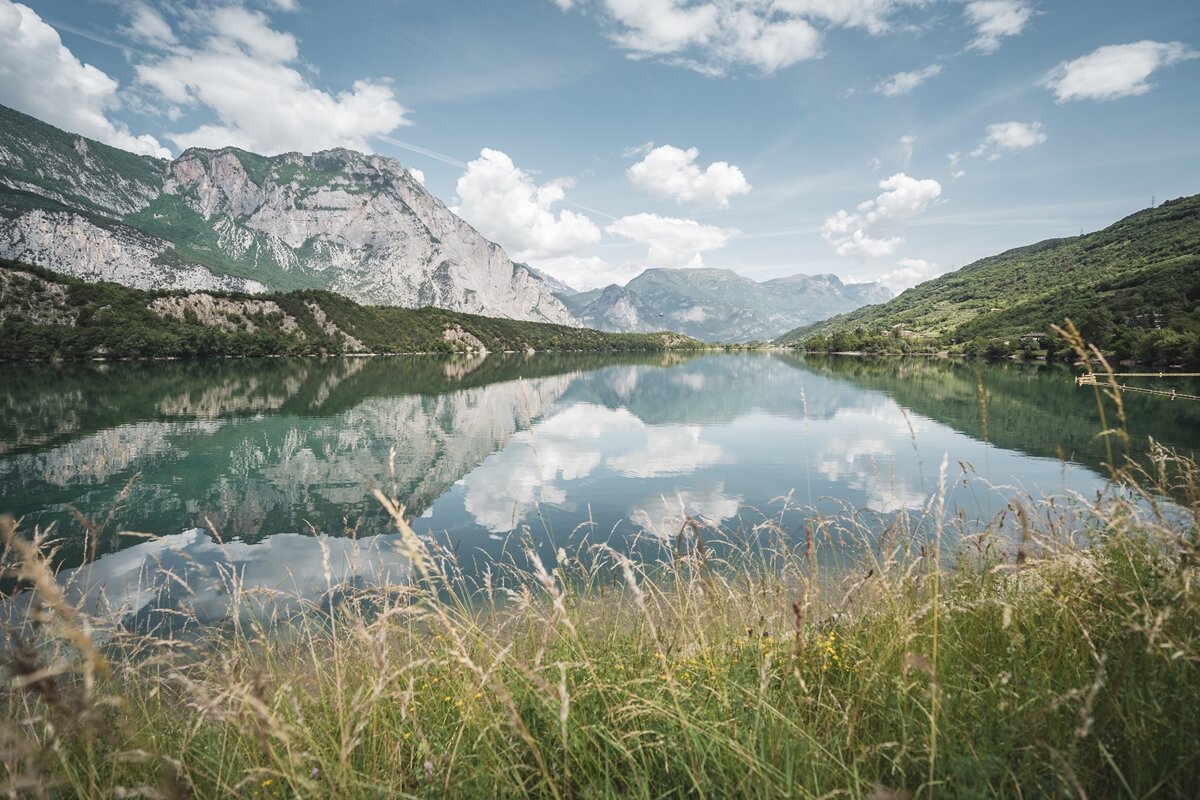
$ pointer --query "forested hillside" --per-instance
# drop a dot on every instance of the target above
(44, 315)
(1133, 289)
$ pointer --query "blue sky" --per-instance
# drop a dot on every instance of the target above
(875, 139)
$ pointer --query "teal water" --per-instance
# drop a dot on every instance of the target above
(279, 457)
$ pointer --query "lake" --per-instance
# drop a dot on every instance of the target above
(270, 465)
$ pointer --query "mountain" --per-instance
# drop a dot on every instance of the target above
(228, 220)
(1133, 288)
(716, 304)
(44, 315)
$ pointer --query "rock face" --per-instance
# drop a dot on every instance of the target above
(356, 224)
(719, 305)
(74, 244)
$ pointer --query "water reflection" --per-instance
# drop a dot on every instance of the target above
(173, 583)
(278, 457)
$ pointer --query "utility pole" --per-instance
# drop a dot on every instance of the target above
(1153, 198)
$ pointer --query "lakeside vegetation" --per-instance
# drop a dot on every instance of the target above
(50, 316)
(1054, 651)
(1133, 289)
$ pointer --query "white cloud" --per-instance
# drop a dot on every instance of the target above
(908, 142)
(904, 82)
(147, 25)
(587, 272)
(873, 15)
(712, 36)
(1118, 70)
(505, 204)
(910, 272)
(861, 245)
(1009, 136)
(251, 29)
(40, 76)
(672, 242)
(418, 175)
(864, 233)
(995, 19)
(242, 71)
(671, 172)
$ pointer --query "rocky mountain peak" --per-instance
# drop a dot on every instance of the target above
(355, 223)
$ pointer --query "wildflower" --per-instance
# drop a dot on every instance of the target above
(447, 699)
(314, 772)
(267, 783)
(478, 695)
(428, 770)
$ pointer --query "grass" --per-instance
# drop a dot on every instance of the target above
(1054, 651)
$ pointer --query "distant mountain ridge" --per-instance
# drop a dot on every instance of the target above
(717, 304)
(228, 220)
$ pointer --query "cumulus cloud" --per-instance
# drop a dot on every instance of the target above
(710, 37)
(418, 175)
(995, 19)
(1117, 70)
(909, 272)
(243, 71)
(507, 206)
(587, 272)
(671, 172)
(904, 82)
(147, 25)
(672, 242)
(866, 232)
(40, 76)
(1009, 136)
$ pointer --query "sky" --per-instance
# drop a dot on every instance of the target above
(879, 140)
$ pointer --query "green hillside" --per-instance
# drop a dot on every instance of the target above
(44, 315)
(1133, 289)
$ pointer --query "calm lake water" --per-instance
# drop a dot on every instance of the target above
(279, 457)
